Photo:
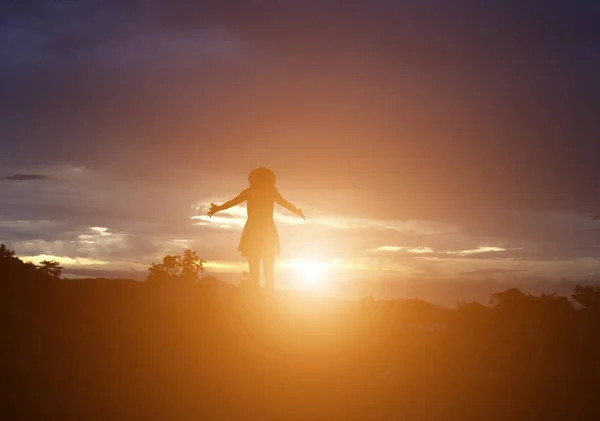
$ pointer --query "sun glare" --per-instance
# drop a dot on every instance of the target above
(308, 274)
(312, 276)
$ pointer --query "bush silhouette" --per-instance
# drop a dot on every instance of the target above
(588, 296)
(175, 268)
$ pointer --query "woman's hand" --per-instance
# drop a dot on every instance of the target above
(301, 214)
(213, 209)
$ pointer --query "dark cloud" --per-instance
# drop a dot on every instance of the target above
(595, 217)
(488, 105)
(25, 177)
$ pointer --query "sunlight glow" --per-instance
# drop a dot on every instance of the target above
(308, 274)
(64, 260)
(312, 276)
(103, 231)
(226, 266)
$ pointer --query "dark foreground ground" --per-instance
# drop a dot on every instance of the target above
(120, 350)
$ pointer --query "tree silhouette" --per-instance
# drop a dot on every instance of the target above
(6, 253)
(587, 296)
(511, 297)
(50, 268)
(12, 266)
(184, 268)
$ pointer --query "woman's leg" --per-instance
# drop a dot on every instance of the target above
(268, 263)
(254, 271)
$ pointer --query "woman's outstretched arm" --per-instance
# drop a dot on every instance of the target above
(235, 201)
(281, 201)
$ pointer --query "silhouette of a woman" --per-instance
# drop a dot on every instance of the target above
(260, 240)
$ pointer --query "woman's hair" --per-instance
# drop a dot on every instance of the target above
(261, 177)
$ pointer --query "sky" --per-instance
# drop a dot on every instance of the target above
(424, 140)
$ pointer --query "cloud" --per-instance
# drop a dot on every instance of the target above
(477, 250)
(429, 250)
(484, 273)
(25, 177)
(100, 215)
(417, 250)
(595, 217)
(165, 78)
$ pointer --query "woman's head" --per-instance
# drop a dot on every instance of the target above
(261, 177)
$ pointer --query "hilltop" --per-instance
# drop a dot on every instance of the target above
(117, 349)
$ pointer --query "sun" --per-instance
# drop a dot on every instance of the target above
(312, 275)
(307, 274)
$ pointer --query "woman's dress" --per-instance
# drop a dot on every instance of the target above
(260, 237)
